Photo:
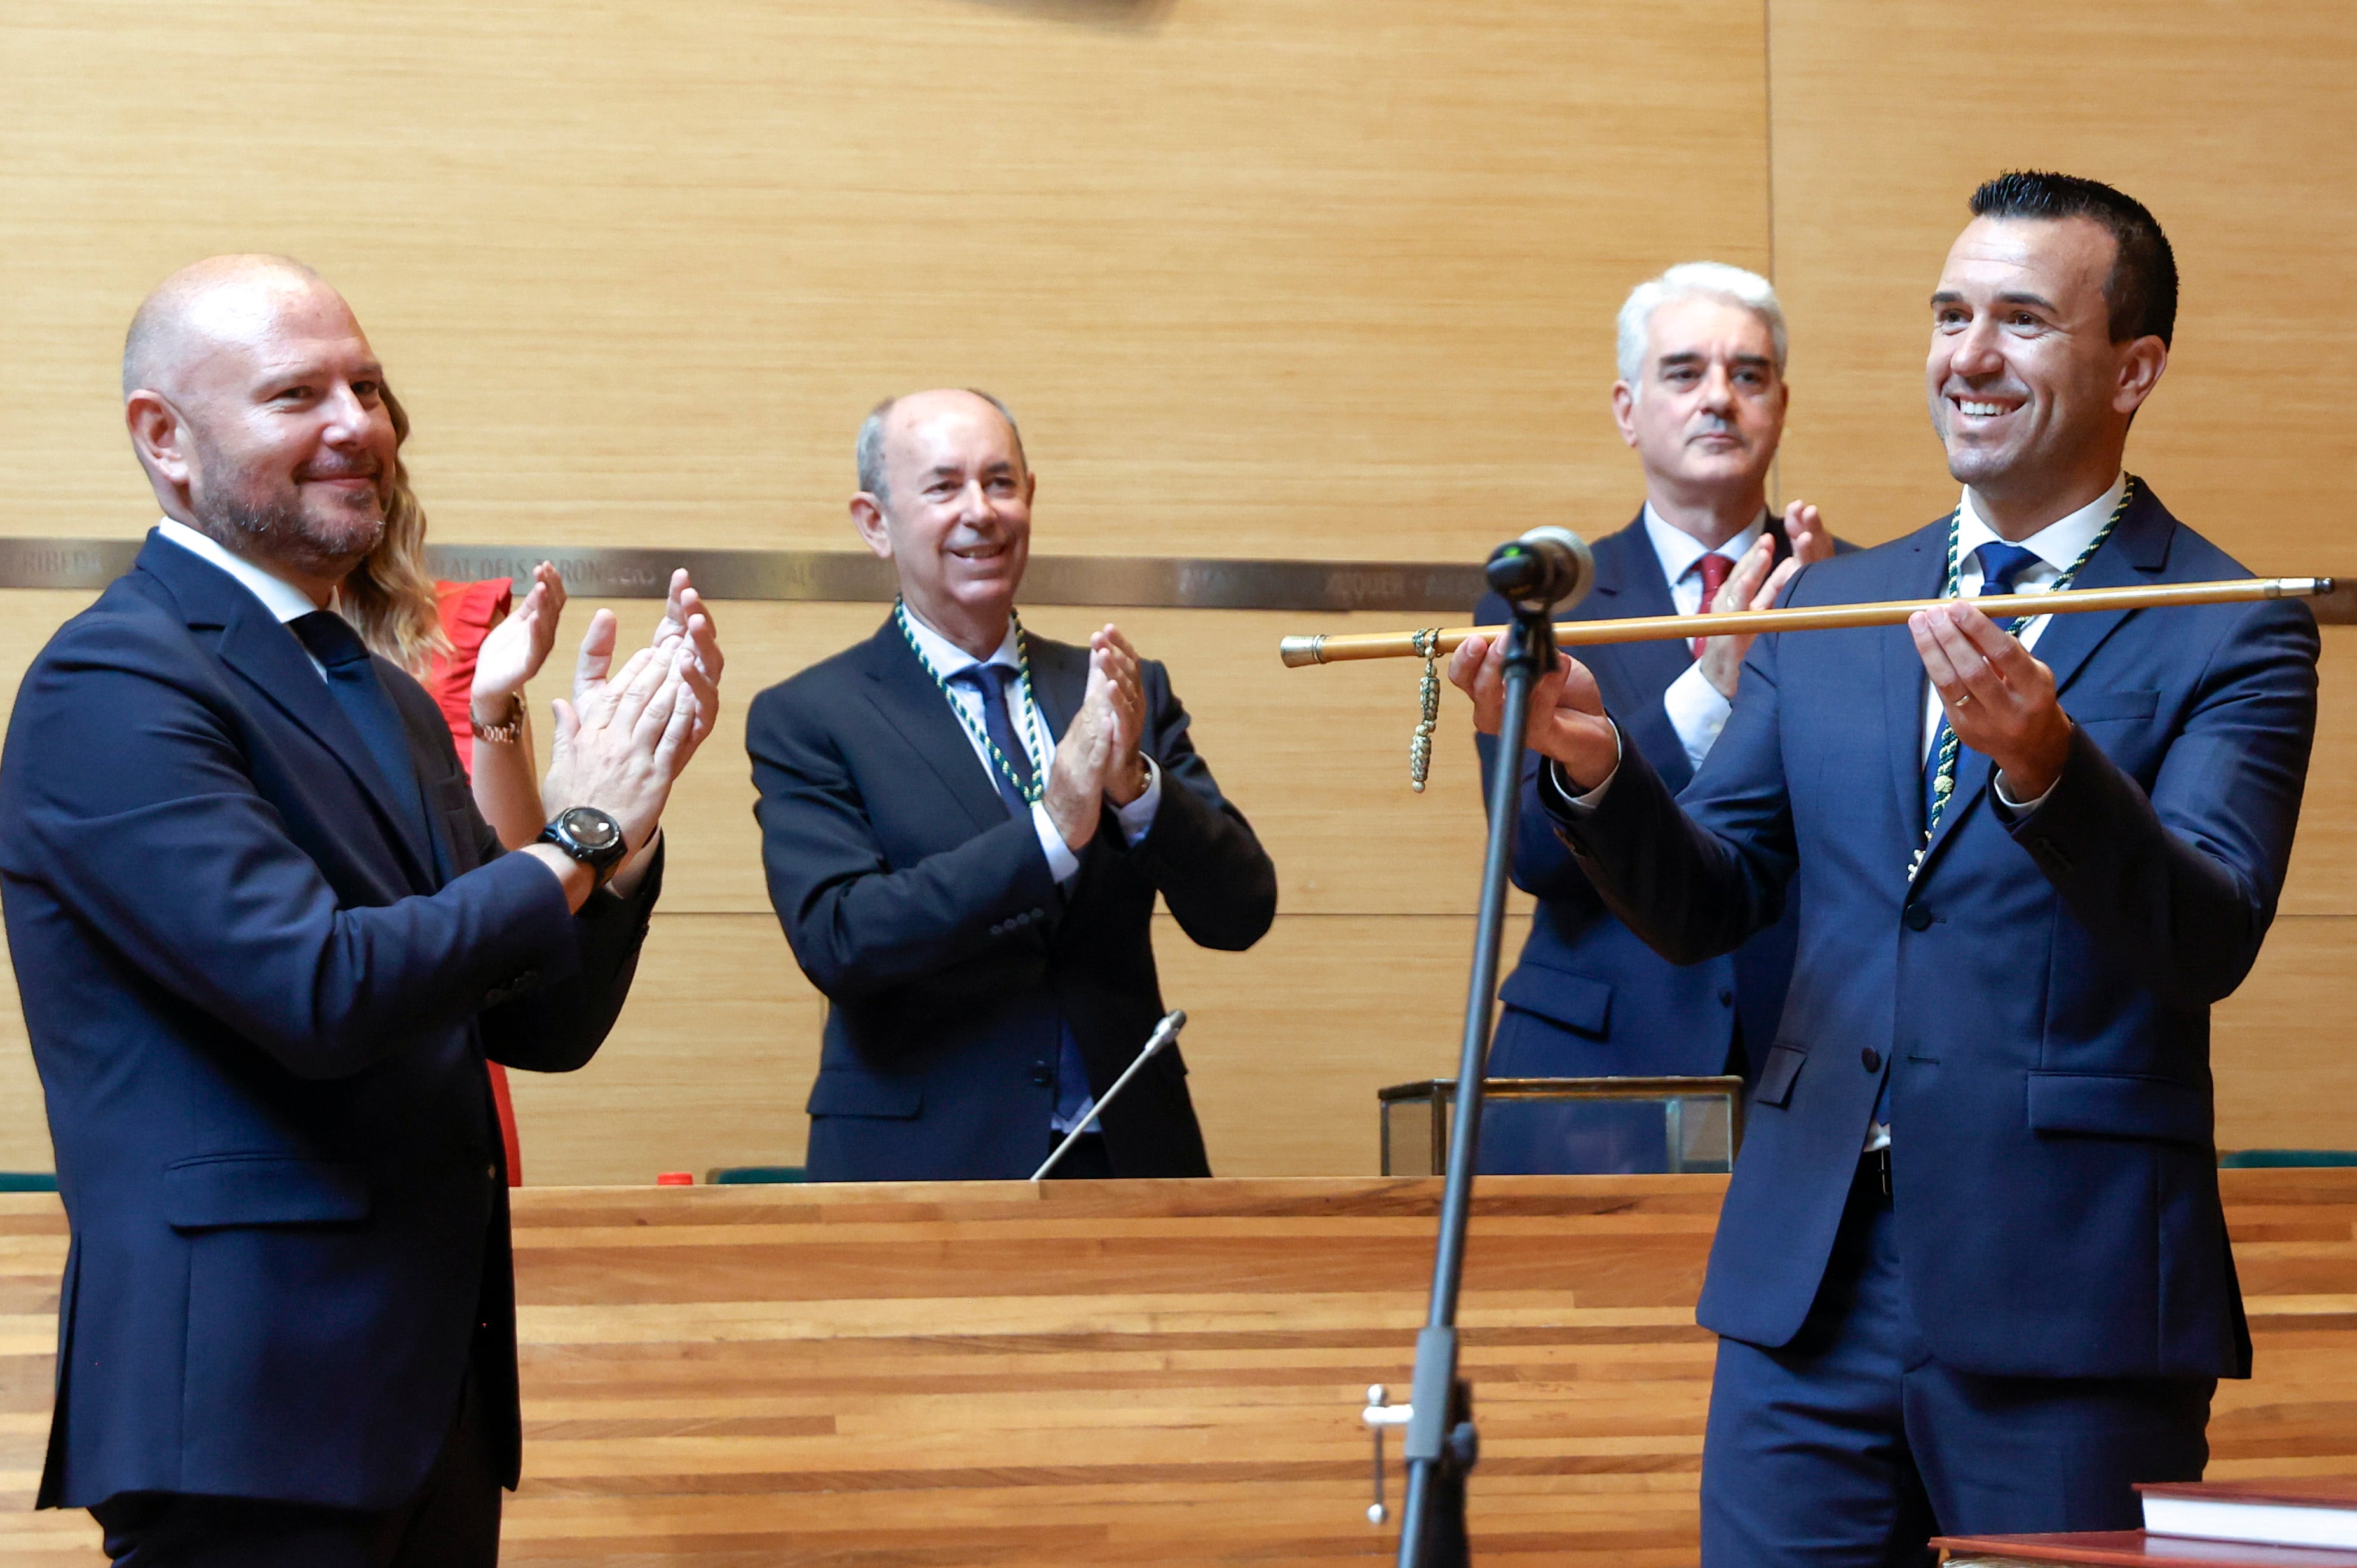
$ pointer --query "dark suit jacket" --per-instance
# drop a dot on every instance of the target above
(1588, 998)
(260, 997)
(2041, 993)
(926, 913)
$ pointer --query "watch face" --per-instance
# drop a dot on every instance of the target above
(591, 829)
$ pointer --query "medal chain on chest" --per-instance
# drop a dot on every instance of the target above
(1037, 789)
(1943, 777)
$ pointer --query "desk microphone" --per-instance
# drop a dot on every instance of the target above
(1164, 1032)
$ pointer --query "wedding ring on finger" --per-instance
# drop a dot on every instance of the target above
(1960, 699)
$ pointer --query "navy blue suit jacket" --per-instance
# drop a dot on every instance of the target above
(2039, 994)
(926, 913)
(1588, 999)
(260, 994)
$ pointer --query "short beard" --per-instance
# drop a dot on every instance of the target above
(276, 530)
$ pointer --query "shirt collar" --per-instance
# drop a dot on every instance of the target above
(2058, 544)
(947, 658)
(279, 596)
(1678, 550)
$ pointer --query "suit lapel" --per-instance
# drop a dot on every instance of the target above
(271, 660)
(907, 698)
(1628, 561)
(2137, 552)
(1060, 681)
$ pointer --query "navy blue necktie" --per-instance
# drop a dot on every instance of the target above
(2002, 566)
(990, 681)
(352, 682)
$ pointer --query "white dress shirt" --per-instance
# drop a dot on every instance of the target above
(1698, 710)
(2056, 545)
(279, 596)
(948, 660)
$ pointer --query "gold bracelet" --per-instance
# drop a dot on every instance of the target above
(507, 733)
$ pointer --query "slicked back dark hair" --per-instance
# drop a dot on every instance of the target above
(2141, 292)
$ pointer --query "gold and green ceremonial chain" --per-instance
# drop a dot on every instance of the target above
(1033, 791)
(1943, 780)
(1419, 745)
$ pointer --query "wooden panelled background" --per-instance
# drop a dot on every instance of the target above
(1264, 278)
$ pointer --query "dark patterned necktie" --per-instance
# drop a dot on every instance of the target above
(1714, 568)
(351, 681)
(2002, 566)
(990, 681)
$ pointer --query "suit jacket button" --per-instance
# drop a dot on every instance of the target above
(1042, 1074)
(1038, 913)
(1919, 919)
(1727, 998)
(1870, 1058)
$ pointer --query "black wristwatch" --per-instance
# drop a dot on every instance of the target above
(591, 837)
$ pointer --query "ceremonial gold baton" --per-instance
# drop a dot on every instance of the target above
(1433, 642)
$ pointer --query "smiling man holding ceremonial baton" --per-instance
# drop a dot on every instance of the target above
(1972, 1274)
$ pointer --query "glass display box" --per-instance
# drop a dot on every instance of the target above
(1569, 1126)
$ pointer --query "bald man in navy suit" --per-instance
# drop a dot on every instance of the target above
(264, 944)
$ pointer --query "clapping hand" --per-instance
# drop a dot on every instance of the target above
(687, 625)
(625, 735)
(1098, 759)
(683, 607)
(1754, 585)
(513, 652)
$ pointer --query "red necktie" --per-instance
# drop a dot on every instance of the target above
(1714, 568)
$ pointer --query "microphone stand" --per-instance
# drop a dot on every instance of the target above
(1441, 1443)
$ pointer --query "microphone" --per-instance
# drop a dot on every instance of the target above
(1545, 567)
(1164, 1032)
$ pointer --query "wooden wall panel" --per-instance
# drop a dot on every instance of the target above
(2279, 1047)
(2233, 121)
(2323, 879)
(1316, 758)
(1264, 277)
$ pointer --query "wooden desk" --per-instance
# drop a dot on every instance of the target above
(1144, 1373)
